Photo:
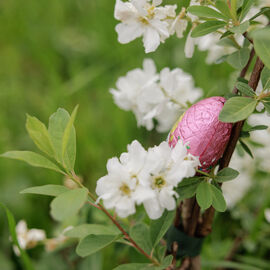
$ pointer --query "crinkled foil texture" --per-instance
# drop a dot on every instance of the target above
(205, 135)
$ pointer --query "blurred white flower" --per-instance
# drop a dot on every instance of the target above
(210, 43)
(178, 25)
(143, 18)
(259, 91)
(152, 96)
(27, 238)
(53, 243)
(262, 137)
(138, 91)
(147, 177)
(236, 189)
(267, 214)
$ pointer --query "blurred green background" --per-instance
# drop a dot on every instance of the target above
(62, 53)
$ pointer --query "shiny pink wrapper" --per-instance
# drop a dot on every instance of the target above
(205, 135)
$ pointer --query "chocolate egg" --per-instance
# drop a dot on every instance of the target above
(205, 136)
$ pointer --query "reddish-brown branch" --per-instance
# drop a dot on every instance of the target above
(190, 212)
(126, 235)
(245, 69)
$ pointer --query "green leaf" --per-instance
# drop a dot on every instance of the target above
(247, 4)
(68, 204)
(167, 261)
(226, 174)
(161, 252)
(159, 227)
(233, 9)
(240, 29)
(206, 28)
(26, 262)
(66, 137)
(265, 77)
(237, 109)
(246, 148)
(267, 106)
(85, 229)
(258, 127)
(204, 195)
(57, 126)
(187, 187)
(93, 243)
(226, 34)
(245, 89)
(223, 8)
(32, 158)
(134, 266)
(219, 202)
(50, 190)
(203, 11)
(239, 58)
(141, 234)
(264, 10)
(39, 134)
(261, 39)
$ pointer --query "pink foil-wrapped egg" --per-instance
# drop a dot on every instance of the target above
(205, 135)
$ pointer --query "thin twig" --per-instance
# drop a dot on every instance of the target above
(205, 227)
(75, 178)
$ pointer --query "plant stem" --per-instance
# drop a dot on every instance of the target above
(99, 206)
(204, 227)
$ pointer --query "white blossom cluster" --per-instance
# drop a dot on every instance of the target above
(27, 238)
(145, 177)
(212, 43)
(150, 95)
(148, 19)
(155, 23)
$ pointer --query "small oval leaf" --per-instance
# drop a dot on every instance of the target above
(68, 204)
(204, 195)
(93, 243)
(237, 109)
(49, 190)
(219, 202)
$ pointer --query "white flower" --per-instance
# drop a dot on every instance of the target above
(259, 91)
(152, 96)
(178, 25)
(178, 88)
(267, 214)
(120, 188)
(138, 91)
(262, 137)
(164, 169)
(210, 43)
(140, 18)
(53, 243)
(27, 238)
(145, 177)
(235, 190)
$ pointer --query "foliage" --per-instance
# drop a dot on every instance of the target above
(72, 63)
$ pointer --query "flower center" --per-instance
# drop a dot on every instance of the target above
(125, 189)
(159, 182)
(151, 12)
(143, 20)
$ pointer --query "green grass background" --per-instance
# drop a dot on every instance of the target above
(62, 53)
